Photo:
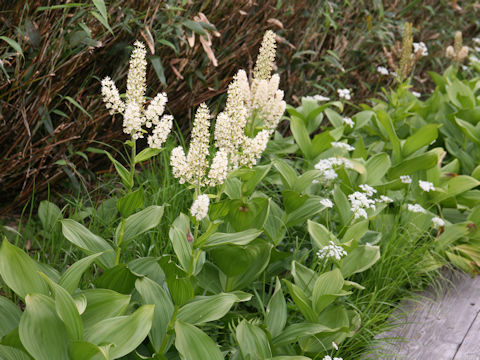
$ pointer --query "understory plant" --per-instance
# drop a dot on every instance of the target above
(265, 257)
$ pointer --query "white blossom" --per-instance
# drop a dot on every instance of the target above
(160, 132)
(382, 70)
(360, 202)
(343, 146)
(416, 94)
(266, 57)
(331, 251)
(385, 199)
(218, 169)
(438, 222)
(426, 186)
(368, 189)
(473, 58)
(111, 97)
(420, 48)
(134, 115)
(416, 208)
(344, 94)
(327, 203)
(406, 179)
(334, 345)
(317, 98)
(199, 208)
(348, 121)
(327, 357)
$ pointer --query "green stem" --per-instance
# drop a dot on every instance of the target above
(119, 243)
(132, 161)
(169, 328)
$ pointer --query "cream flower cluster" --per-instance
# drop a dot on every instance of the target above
(135, 117)
(199, 208)
(247, 105)
(192, 168)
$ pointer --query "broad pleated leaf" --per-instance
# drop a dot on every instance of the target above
(102, 304)
(11, 353)
(276, 314)
(139, 223)
(253, 341)
(41, 331)
(193, 344)
(124, 332)
(9, 316)
(152, 293)
(19, 271)
(71, 277)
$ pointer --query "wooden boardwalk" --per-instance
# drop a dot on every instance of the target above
(439, 324)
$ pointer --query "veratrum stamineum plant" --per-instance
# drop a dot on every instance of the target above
(268, 267)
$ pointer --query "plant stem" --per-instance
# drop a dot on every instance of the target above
(119, 244)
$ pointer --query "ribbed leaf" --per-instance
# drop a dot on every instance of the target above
(71, 277)
(193, 344)
(139, 223)
(9, 316)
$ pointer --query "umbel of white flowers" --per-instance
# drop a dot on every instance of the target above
(135, 117)
(252, 112)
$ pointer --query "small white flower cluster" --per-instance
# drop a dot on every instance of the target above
(438, 222)
(416, 94)
(420, 48)
(385, 199)
(426, 186)
(326, 166)
(362, 201)
(134, 115)
(348, 121)
(317, 98)
(415, 208)
(342, 146)
(327, 203)
(328, 357)
(199, 208)
(344, 94)
(405, 179)
(382, 70)
(331, 251)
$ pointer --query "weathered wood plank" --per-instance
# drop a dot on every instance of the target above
(435, 325)
(470, 347)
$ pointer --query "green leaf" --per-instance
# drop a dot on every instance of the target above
(9, 316)
(159, 70)
(377, 166)
(455, 186)
(195, 26)
(11, 353)
(124, 174)
(308, 209)
(71, 277)
(253, 341)
(41, 331)
(250, 214)
(288, 174)
(178, 235)
(319, 234)
(326, 288)
(412, 165)
(293, 332)
(118, 278)
(342, 205)
(66, 310)
(131, 202)
(152, 293)
(49, 215)
(146, 154)
(385, 120)
(78, 106)
(276, 314)
(124, 332)
(193, 344)
(102, 20)
(15, 45)
(203, 309)
(90, 243)
(20, 272)
(301, 300)
(238, 238)
(139, 223)
(360, 259)
(102, 304)
(300, 133)
(304, 277)
(320, 143)
(422, 137)
(147, 266)
(83, 350)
